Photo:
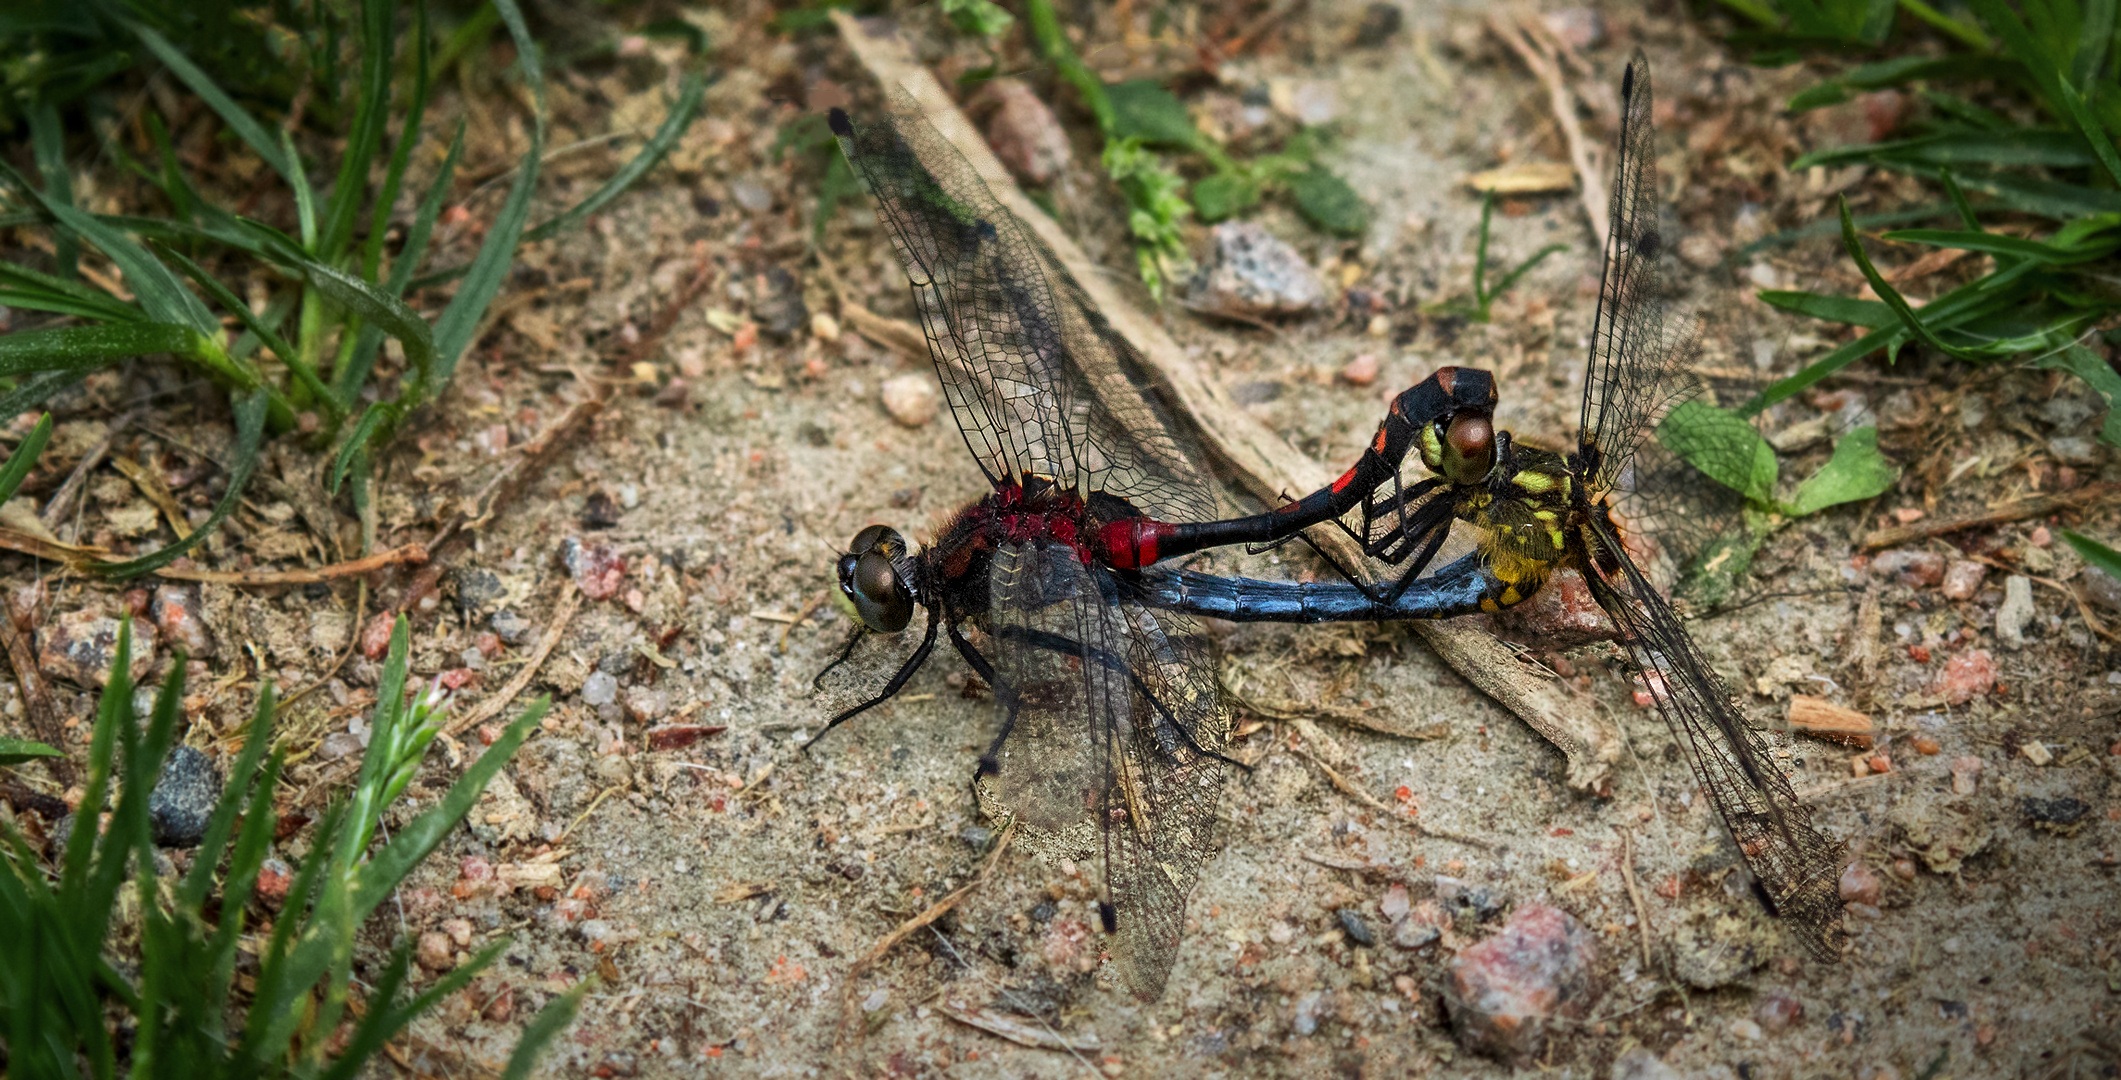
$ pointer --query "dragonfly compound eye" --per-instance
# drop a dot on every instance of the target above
(1468, 448)
(880, 596)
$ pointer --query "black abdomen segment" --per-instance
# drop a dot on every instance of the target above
(1464, 587)
(1431, 402)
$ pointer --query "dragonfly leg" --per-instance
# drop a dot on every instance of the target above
(898, 681)
(990, 763)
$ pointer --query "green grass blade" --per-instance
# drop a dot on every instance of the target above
(682, 113)
(1999, 244)
(72, 348)
(1885, 338)
(159, 292)
(2097, 374)
(350, 377)
(423, 834)
(378, 47)
(1969, 36)
(1869, 314)
(550, 1021)
(489, 270)
(2020, 147)
(220, 294)
(23, 457)
(2047, 71)
(364, 429)
(38, 389)
(401, 152)
(379, 308)
(250, 430)
(261, 141)
(305, 196)
(2094, 552)
(94, 303)
(1885, 291)
(191, 893)
(48, 144)
(17, 751)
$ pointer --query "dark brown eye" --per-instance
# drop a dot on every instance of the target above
(1469, 448)
(880, 597)
(868, 539)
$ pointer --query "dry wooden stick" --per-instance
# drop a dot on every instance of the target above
(2004, 514)
(409, 553)
(1538, 55)
(1627, 874)
(570, 602)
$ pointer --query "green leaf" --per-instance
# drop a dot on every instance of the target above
(981, 18)
(682, 112)
(550, 1021)
(17, 751)
(1224, 195)
(2023, 146)
(1143, 109)
(1999, 244)
(2097, 374)
(1723, 446)
(23, 457)
(262, 142)
(489, 270)
(2094, 552)
(74, 347)
(1870, 314)
(1329, 203)
(1856, 472)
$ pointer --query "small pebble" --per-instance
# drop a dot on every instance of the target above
(512, 628)
(2016, 611)
(751, 195)
(274, 879)
(1252, 273)
(1962, 578)
(1966, 676)
(911, 399)
(175, 609)
(1913, 568)
(1777, 1013)
(1746, 1030)
(824, 327)
(81, 646)
(1303, 1018)
(2036, 752)
(1580, 28)
(184, 797)
(1395, 905)
(1904, 868)
(1361, 371)
(1860, 885)
(599, 689)
(1357, 930)
(1966, 773)
(1925, 745)
(1504, 992)
(1025, 134)
(598, 569)
(435, 952)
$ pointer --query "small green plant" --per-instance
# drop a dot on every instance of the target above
(336, 294)
(2048, 293)
(1139, 117)
(67, 1009)
(1478, 309)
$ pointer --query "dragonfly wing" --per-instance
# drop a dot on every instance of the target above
(1036, 378)
(1639, 367)
(1797, 868)
(1113, 723)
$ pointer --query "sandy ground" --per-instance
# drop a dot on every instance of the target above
(720, 890)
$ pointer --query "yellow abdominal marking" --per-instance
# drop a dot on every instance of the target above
(1538, 483)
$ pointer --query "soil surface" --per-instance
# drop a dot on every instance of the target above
(667, 835)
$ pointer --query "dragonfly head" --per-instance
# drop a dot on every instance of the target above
(878, 577)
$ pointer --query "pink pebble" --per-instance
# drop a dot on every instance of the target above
(1962, 577)
(1966, 676)
(1361, 371)
(1859, 885)
(1505, 992)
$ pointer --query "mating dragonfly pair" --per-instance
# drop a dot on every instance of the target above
(1111, 719)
